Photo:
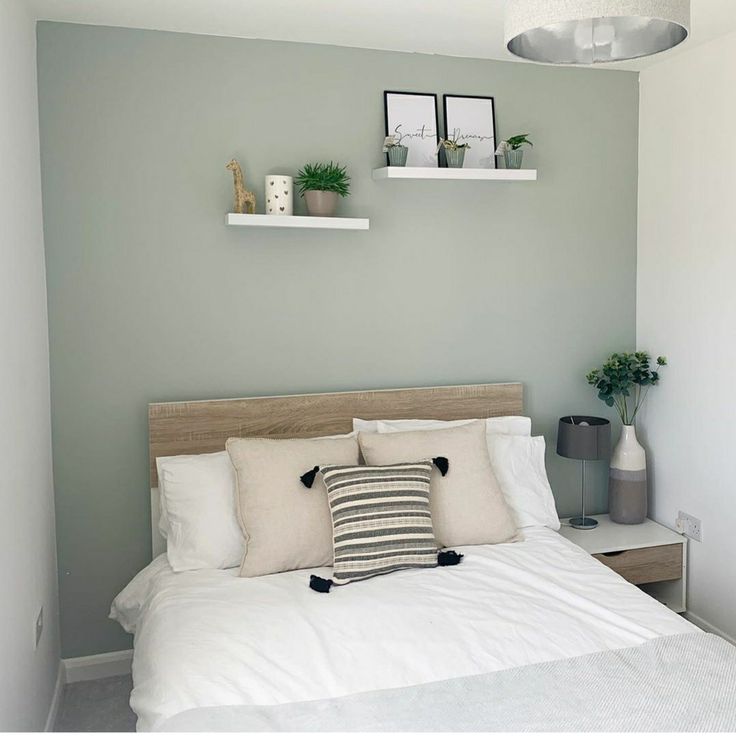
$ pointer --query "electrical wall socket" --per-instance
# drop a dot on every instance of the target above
(38, 628)
(690, 526)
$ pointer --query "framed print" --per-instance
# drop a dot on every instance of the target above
(413, 117)
(472, 120)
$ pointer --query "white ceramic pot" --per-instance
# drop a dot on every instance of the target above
(627, 483)
(279, 195)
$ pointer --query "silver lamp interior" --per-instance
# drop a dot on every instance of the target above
(583, 33)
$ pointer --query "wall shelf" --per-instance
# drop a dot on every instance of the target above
(417, 172)
(297, 221)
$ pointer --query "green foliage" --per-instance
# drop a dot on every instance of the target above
(517, 141)
(329, 177)
(624, 380)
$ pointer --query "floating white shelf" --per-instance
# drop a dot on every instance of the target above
(419, 172)
(320, 223)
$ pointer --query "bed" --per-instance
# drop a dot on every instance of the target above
(534, 635)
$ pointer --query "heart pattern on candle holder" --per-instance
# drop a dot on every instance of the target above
(279, 200)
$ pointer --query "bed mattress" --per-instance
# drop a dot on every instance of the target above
(210, 638)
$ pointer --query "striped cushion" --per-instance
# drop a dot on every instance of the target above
(380, 518)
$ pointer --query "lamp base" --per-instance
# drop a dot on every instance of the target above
(583, 522)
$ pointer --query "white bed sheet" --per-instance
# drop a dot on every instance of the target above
(209, 638)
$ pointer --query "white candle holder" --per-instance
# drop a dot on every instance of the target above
(279, 194)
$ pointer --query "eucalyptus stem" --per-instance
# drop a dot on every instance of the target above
(621, 408)
(640, 403)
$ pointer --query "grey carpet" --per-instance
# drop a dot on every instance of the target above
(97, 705)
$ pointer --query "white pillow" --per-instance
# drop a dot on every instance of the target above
(365, 425)
(198, 505)
(520, 470)
(494, 425)
(163, 518)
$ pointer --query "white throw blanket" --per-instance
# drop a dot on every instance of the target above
(685, 682)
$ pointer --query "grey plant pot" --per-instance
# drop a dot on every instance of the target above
(455, 159)
(513, 158)
(319, 203)
(397, 155)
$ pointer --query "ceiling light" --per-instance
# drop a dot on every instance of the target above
(594, 31)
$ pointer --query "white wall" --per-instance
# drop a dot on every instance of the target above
(27, 537)
(687, 306)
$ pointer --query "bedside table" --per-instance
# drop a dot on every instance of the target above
(648, 555)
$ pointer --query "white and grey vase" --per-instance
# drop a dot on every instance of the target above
(627, 482)
(279, 195)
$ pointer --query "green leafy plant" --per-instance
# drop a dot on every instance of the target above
(624, 380)
(514, 143)
(329, 177)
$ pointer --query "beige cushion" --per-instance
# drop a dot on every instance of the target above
(467, 505)
(286, 526)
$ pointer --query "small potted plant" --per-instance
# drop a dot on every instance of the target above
(454, 152)
(320, 185)
(397, 152)
(512, 150)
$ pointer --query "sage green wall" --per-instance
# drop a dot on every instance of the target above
(153, 298)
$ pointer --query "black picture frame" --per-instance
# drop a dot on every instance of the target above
(390, 128)
(472, 155)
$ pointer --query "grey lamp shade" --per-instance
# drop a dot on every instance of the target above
(594, 31)
(584, 438)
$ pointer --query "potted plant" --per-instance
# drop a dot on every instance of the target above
(454, 152)
(397, 152)
(512, 151)
(320, 185)
(623, 382)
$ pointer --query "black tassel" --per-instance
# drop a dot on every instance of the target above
(448, 557)
(319, 584)
(308, 478)
(442, 463)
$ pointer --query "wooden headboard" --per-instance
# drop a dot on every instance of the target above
(194, 427)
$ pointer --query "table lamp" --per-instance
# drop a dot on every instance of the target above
(584, 438)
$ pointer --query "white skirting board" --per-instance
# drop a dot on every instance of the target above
(703, 624)
(77, 669)
(97, 666)
(55, 698)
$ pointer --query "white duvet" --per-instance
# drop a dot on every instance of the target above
(209, 638)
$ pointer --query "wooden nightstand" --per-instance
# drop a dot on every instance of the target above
(648, 555)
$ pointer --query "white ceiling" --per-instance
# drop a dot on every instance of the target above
(471, 28)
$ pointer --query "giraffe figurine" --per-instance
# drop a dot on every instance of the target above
(245, 201)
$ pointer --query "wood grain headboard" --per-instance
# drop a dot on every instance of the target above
(193, 427)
